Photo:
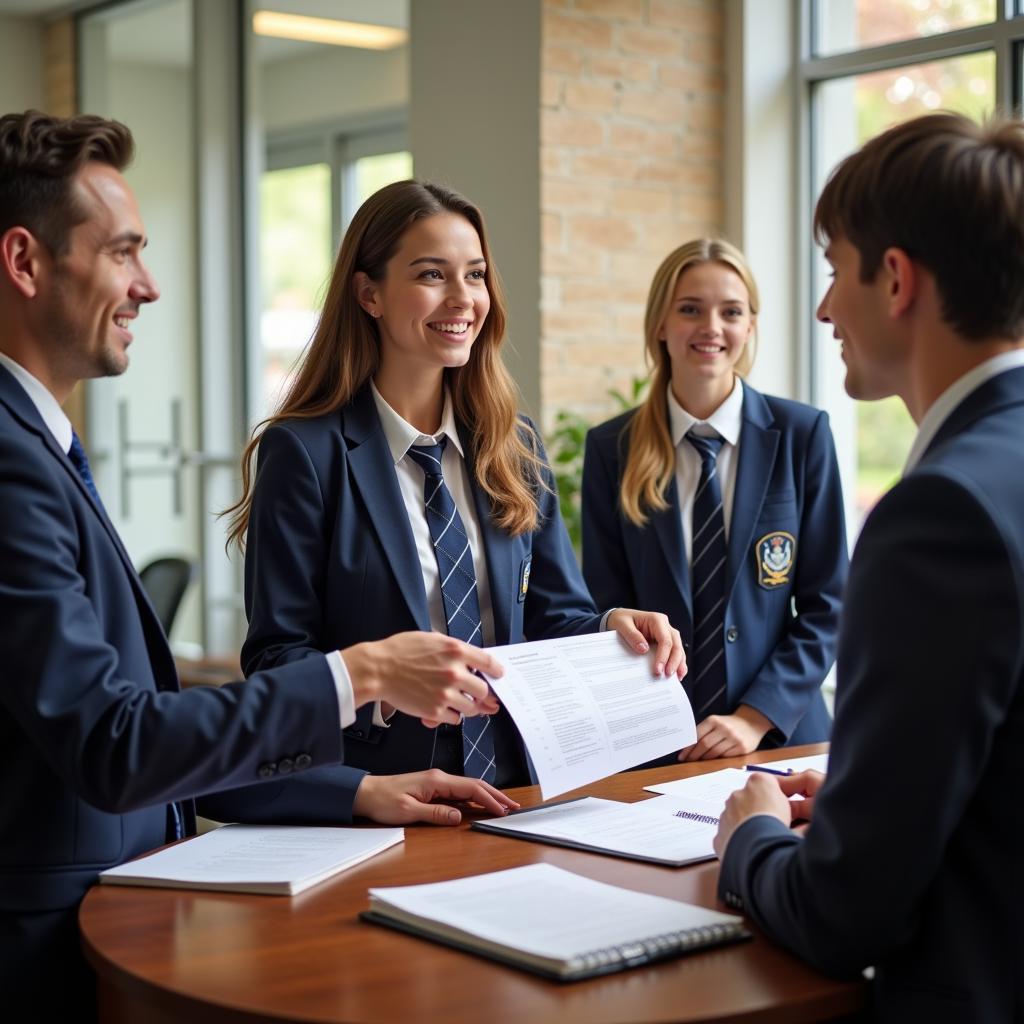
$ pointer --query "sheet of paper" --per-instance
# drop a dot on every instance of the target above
(547, 911)
(717, 787)
(649, 828)
(588, 707)
(274, 857)
(819, 762)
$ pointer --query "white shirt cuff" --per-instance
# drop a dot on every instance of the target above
(378, 719)
(343, 686)
(604, 619)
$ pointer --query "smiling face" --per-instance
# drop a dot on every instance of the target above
(706, 330)
(433, 300)
(875, 360)
(97, 285)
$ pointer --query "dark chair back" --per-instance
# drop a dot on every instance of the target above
(166, 580)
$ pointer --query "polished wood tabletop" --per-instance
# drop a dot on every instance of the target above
(170, 955)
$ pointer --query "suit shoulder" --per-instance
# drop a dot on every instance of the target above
(611, 431)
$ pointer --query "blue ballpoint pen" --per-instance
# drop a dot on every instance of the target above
(770, 771)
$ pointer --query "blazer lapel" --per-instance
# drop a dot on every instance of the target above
(758, 445)
(668, 528)
(500, 549)
(373, 472)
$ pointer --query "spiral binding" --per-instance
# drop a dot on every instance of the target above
(704, 819)
(656, 948)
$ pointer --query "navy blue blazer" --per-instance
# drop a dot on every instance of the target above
(331, 561)
(912, 861)
(95, 739)
(780, 635)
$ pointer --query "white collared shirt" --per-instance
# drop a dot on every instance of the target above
(940, 410)
(401, 436)
(727, 422)
(60, 426)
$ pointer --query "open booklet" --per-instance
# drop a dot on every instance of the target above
(552, 922)
(588, 707)
(664, 830)
(270, 859)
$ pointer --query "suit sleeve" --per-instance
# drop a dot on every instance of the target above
(792, 674)
(605, 565)
(930, 647)
(320, 796)
(117, 741)
(285, 555)
(557, 602)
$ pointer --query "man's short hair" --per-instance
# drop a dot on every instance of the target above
(39, 157)
(950, 193)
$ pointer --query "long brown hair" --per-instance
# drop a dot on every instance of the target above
(344, 354)
(652, 457)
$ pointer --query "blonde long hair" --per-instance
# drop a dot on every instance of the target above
(652, 458)
(344, 354)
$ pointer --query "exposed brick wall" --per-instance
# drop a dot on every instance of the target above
(632, 99)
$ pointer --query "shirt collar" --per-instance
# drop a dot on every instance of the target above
(726, 420)
(940, 410)
(46, 405)
(401, 435)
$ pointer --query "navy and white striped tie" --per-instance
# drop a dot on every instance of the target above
(458, 593)
(705, 681)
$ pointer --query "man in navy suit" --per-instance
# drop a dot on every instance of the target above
(100, 754)
(912, 859)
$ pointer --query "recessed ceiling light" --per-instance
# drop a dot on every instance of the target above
(328, 30)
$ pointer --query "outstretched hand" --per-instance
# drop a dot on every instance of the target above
(641, 629)
(426, 796)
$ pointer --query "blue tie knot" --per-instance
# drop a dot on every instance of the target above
(428, 456)
(707, 447)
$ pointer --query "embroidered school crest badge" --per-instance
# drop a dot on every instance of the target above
(775, 554)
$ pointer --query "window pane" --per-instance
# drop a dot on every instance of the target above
(295, 261)
(842, 25)
(847, 112)
(374, 172)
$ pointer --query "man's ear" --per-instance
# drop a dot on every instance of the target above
(21, 260)
(902, 280)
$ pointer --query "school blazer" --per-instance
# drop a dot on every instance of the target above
(331, 561)
(912, 862)
(787, 559)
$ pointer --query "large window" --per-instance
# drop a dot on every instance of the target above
(869, 64)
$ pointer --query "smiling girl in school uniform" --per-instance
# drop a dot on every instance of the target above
(722, 507)
(397, 488)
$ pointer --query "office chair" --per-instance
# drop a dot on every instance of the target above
(165, 581)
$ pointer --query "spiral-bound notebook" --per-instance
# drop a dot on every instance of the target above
(552, 922)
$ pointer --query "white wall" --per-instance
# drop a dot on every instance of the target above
(21, 64)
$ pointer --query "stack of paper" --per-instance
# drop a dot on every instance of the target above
(272, 859)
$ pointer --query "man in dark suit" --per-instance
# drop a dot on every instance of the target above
(911, 861)
(100, 754)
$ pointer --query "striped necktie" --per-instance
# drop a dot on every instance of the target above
(458, 593)
(706, 679)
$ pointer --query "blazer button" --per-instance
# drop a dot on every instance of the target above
(302, 761)
(285, 765)
(732, 634)
(267, 771)
(358, 733)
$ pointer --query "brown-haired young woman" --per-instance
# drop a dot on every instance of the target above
(398, 488)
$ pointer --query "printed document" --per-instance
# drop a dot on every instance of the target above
(588, 707)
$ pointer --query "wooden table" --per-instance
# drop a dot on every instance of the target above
(169, 955)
